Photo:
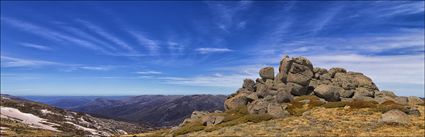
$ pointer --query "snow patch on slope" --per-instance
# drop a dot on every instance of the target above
(26, 118)
(91, 130)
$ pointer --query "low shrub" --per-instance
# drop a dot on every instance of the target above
(297, 108)
(389, 105)
(334, 104)
(257, 117)
(246, 118)
(358, 103)
(189, 127)
(239, 110)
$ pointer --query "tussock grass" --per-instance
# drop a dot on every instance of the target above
(358, 103)
(334, 104)
(189, 127)
(255, 118)
(389, 105)
(297, 107)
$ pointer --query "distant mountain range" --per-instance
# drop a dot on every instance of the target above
(68, 102)
(152, 110)
(21, 117)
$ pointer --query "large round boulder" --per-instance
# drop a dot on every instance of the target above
(267, 73)
(249, 84)
(363, 92)
(384, 93)
(300, 74)
(239, 100)
(285, 65)
(366, 82)
(297, 89)
(258, 107)
(269, 83)
(277, 110)
(346, 93)
(303, 61)
(279, 78)
(401, 100)
(414, 100)
(319, 71)
(328, 92)
(284, 95)
(335, 70)
(395, 116)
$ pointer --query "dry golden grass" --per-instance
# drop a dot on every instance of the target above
(315, 118)
(322, 121)
(357, 103)
(297, 107)
(231, 118)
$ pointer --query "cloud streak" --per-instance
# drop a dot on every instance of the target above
(212, 50)
(216, 80)
(151, 72)
(14, 62)
(151, 45)
(50, 34)
(106, 35)
(36, 46)
(11, 62)
(227, 15)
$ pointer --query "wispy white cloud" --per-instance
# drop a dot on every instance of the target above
(213, 80)
(14, 62)
(401, 8)
(396, 69)
(175, 48)
(50, 34)
(151, 45)
(79, 32)
(408, 41)
(150, 72)
(36, 46)
(325, 19)
(9, 62)
(106, 35)
(226, 14)
(212, 50)
(96, 68)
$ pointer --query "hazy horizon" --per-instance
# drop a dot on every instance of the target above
(182, 48)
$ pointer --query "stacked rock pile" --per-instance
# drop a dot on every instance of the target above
(270, 93)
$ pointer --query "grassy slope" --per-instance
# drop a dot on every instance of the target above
(361, 118)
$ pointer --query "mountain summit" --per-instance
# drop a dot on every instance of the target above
(302, 93)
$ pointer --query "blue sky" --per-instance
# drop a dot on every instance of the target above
(134, 48)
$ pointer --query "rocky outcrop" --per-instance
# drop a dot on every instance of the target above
(299, 89)
(297, 76)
